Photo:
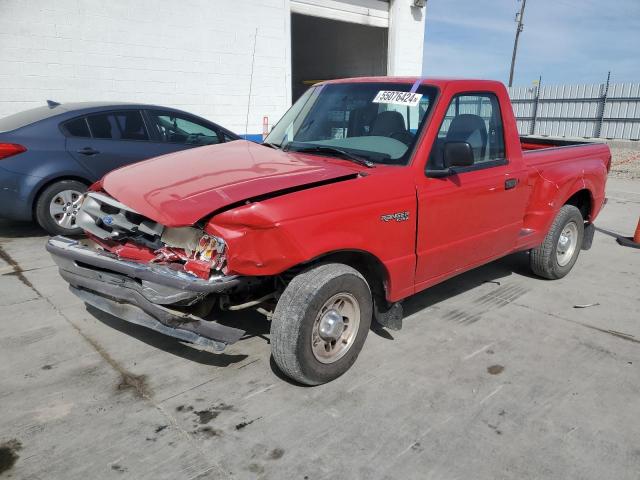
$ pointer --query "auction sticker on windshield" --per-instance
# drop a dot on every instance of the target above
(398, 98)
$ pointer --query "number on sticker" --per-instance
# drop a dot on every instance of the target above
(398, 98)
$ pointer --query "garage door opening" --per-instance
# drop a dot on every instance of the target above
(323, 49)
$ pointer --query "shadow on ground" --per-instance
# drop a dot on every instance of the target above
(494, 272)
(168, 344)
(15, 229)
(257, 325)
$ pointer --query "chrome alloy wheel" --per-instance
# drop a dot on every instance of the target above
(64, 208)
(567, 244)
(335, 328)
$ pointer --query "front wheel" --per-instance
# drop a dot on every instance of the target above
(561, 247)
(320, 323)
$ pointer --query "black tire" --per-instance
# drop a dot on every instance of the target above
(544, 259)
(295, 315)
(43, 202)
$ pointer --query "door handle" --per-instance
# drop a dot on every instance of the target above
(510, 183)
(88, 151)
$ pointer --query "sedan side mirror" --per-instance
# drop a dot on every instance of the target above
(455, 154)
(458, 154)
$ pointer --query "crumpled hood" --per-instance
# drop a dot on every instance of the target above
(181, 188)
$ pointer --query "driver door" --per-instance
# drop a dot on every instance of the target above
(474, 214)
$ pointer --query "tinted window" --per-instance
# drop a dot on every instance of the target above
(474, 119)
(176, 128)
(22, 119)
(77, 128)
(123, 125)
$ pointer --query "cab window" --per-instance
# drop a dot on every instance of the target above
(475, 119)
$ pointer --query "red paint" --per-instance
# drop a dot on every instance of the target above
(455, 223)
(131, 251)
(167, 254)
(533, 146)
(96, 186)
(199, 268)
(181, 188)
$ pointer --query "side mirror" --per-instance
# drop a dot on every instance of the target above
(455, 154)
(458, 154)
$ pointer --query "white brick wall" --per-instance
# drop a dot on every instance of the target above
(193, 54)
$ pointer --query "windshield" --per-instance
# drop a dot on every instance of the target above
(377, 122)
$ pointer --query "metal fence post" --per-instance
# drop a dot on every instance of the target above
(603, 103)
(532, 128)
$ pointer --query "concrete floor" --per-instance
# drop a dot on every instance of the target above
(495, 375)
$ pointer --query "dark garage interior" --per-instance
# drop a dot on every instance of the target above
(323, 49)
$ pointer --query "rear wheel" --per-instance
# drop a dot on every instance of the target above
(561, 247)
(57, 206)
(320, 323)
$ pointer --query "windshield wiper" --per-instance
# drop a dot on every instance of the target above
(271, 145)
(336, 151)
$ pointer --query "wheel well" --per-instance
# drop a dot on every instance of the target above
(51, 182)
(582, 201)
(371, 268)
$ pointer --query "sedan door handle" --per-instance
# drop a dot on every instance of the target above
(510, 183)
(88, 151)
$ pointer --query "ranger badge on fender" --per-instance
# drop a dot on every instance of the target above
(398, 217)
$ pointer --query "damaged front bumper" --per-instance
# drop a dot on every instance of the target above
(141, 293)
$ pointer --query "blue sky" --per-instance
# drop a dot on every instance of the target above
(565, 41)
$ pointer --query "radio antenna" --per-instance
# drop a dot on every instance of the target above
(253, 59)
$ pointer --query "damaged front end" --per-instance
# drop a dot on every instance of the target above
(123, 231)
(166, 279)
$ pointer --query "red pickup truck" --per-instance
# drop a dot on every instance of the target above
(367, 191)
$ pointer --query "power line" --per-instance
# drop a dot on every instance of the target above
(519, 28)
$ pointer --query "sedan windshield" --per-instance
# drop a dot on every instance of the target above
(373, 122)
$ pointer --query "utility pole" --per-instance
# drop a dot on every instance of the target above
(519, 18)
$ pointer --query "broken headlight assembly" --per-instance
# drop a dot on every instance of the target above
(213, 250)
(200, 251)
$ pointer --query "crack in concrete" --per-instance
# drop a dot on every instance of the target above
(128, 380)
(623, 336)
(35, 269)
(17, 270)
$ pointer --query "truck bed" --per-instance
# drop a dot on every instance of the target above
(540, 143)
(548, 152)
